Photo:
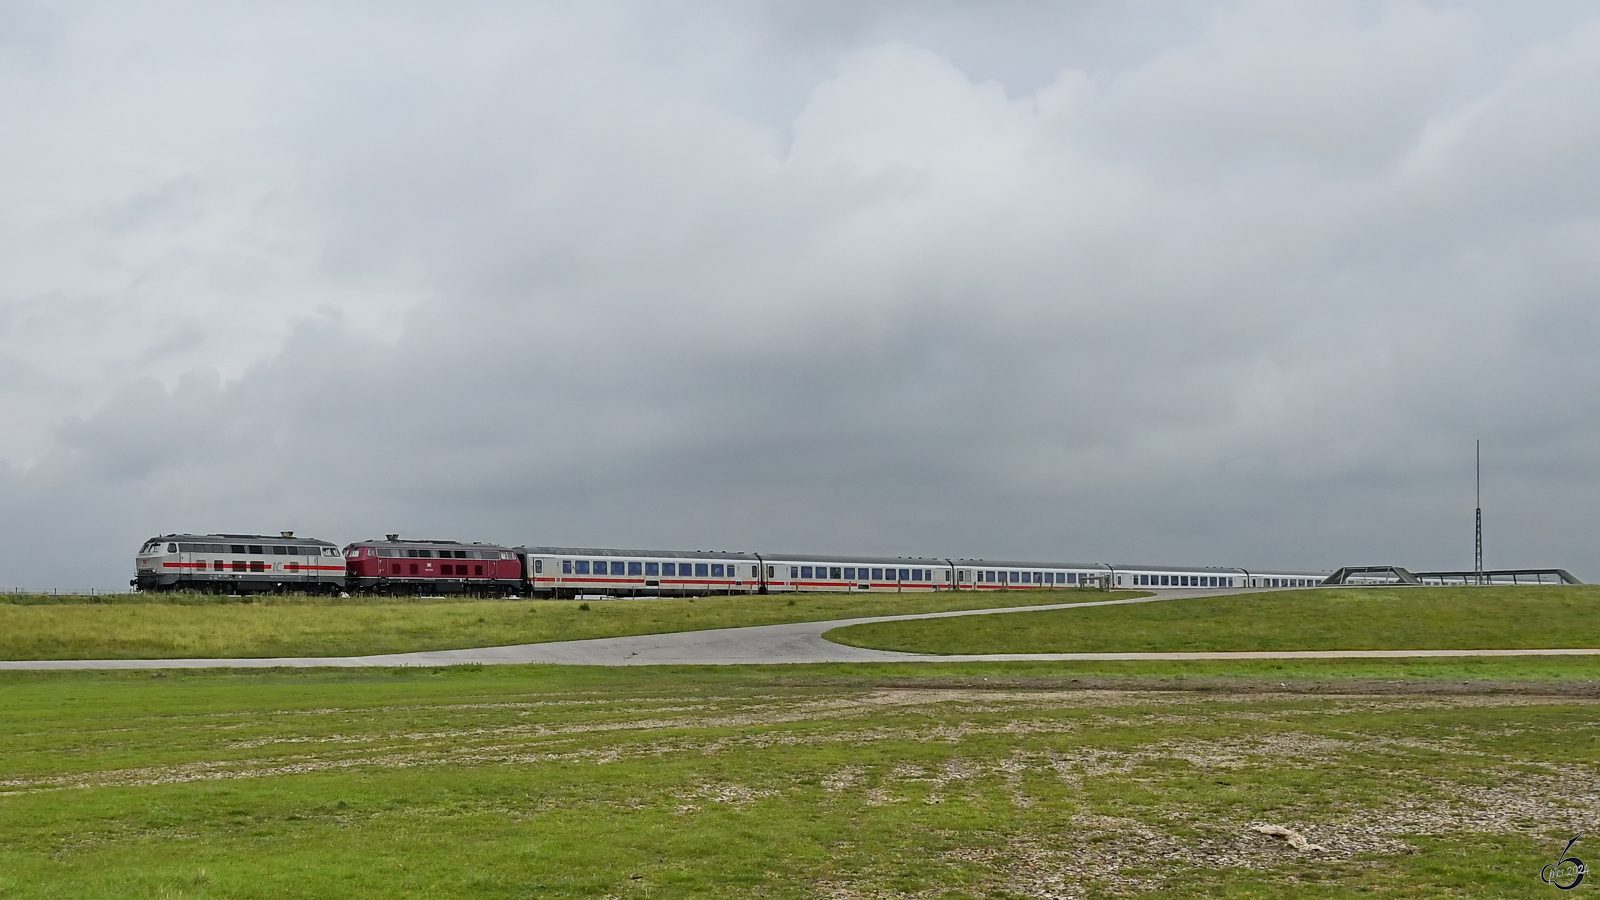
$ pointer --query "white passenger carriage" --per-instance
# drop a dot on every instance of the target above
(576, 571)
(1283, 578)
(989, 574)
(860, 574)
(1168, 578)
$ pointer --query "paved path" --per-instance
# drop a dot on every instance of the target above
(799, 642)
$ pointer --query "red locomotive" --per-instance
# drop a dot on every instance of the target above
(393, 566)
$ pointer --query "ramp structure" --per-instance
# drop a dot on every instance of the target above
(1400, 575)
(1500, 577)
(1371, 575)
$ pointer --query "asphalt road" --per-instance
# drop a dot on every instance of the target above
(799, 642)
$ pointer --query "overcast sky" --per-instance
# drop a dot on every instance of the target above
(1213, 284)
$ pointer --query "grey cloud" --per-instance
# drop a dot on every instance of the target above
(1238, 290)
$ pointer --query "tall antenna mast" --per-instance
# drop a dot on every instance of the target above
(1477, 548)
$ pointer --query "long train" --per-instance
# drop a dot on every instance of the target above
(244, 563)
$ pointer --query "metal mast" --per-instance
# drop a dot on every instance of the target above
(1477, 548)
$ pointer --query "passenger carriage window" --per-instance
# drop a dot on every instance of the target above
(700, 570)
(599, 567)
(618, 568)
(905, 574)
(255, 549)
(835, 572)
(770, 570)
(257, 565)
(716, 570)
(849, 574)
(877, 574)
(238, 565)
(669, 569)
(566, 567)
(805, 571)
(652, 569)
(581, 566)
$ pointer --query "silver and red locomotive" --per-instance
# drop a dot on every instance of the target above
(239, 564)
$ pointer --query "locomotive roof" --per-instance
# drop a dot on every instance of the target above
(262, 538)
(429, 545)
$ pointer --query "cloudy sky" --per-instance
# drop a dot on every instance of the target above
(1202, 283)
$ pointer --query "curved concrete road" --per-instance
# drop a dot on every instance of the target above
(798, 642)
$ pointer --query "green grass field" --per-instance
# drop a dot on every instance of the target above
(1345, 619)
(930, 781)
(172, 626)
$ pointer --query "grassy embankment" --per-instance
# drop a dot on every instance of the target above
(1345, 619)
(172, 626)
(779, 783)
